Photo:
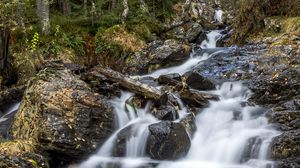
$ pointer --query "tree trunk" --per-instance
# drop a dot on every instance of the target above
(42, 11)
(4, 44)
(64, 6)
(125, 11)
(106, 74)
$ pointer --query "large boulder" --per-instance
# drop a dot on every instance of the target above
(196, 81)
(158, 54)
(195, 32)
(167, 140)
(61, 114)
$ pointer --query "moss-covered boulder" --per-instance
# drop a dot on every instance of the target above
(61, 114)
(21, 154)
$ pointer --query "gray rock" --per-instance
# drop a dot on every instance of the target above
(194, 32)
(170, 79)
(166, 113)
(61, 114)
(167, 140)
(286, 145)
(195, 98)
(286, 120)
(197, 81)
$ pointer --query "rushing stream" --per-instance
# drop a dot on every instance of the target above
(230, 133)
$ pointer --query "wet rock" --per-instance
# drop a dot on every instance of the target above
(189, 124)
(119, 149)
(281, 86)
(286, 145)
(251, 149)
(21, 154)
(165, 113)
(167, 140)
(196, 81)
(157, 55)
(195, 98)
(62, 115)
(168, 99)
(170, 79)
(194, 32)
(288, 163)
(170, 53)
(286, 120)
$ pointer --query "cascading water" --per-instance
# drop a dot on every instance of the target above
(218, 15)
(12, 109)
(229, 132)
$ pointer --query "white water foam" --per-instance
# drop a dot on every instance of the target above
(13, 108)
(230, 134)
(218, 15)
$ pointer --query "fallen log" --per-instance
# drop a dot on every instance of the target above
(107, 74)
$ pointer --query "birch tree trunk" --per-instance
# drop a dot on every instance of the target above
(42, 11)
(125, 11)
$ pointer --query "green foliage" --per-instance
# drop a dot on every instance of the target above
(34, 41)
(76, 43)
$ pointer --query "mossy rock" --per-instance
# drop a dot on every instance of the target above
(21, 154)
(61, 115)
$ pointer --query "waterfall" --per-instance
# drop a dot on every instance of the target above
(10, 110)
(218, 15)
(230, 133)
(224, 132)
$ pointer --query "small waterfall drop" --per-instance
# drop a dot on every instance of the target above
(225, 131)
(230, 133)
(218, 15)
(10, 110)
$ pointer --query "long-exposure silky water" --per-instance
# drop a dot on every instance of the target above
(225, 131)
(230, 133)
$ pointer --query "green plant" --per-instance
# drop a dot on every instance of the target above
(76, 43)
(34, 42)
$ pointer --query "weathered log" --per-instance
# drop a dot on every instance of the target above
(4, 44)
(107, 74)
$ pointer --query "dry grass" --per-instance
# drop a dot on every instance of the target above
(17, 147)
(127, 41)
(27, 124)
